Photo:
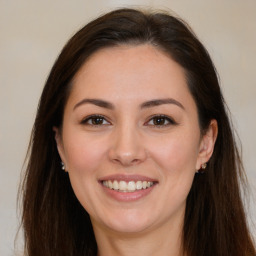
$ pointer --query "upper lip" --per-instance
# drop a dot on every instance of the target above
(133, 177)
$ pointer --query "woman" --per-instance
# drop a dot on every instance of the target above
(132, 152)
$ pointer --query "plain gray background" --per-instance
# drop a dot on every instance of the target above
(32, 34)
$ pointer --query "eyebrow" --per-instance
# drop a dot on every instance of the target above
(147, 104)
(97, 102)
(157, 102)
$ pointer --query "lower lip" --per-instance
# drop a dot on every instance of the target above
(127, 196)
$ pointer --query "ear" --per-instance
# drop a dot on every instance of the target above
(207, 144)
(59, 144)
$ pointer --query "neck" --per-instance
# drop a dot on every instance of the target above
(165, 240)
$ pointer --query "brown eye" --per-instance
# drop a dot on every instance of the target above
(160, 121)
(95, 120)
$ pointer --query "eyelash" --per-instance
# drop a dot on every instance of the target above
(163, 118)
(94, 117)
(89, 121)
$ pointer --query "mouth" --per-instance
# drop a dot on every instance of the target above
(128, 186)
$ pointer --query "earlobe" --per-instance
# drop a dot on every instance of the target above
(207, 144)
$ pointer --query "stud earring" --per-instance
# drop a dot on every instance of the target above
(203, 166)
(202, 169)
(62, 166)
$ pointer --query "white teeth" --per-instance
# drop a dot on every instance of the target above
(131, 186)
(124, 186)
(110, 185)
(115, 185)
(138, 185)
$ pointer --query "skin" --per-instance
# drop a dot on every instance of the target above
(128, 140)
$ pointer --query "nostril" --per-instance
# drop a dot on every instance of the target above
(126, 161)
(129, 153)
(135, 161)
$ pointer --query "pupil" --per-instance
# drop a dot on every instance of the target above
(97, 120)
(159, 121)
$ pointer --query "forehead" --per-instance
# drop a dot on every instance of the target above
(130, 72)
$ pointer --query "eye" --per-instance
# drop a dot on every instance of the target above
(160, 121)
(95, 120)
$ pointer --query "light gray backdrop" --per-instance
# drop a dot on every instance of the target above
(32, 34)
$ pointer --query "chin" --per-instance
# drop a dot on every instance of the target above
(128, 222)
(129, 228)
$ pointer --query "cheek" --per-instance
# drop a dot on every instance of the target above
(176, 153)
(84, 154)
(84, 158)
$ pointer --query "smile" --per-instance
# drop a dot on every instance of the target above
(127, 186)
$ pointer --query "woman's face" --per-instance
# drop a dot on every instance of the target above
(130, 140)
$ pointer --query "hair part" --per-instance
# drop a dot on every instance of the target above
(54, 221)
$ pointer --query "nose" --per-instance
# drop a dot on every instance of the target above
(127, 147)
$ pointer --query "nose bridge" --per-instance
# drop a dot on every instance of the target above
(127, 144)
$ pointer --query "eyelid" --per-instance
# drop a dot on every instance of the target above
(87, 118)
(168, 118)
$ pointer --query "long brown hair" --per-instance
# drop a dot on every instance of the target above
(54, 221)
